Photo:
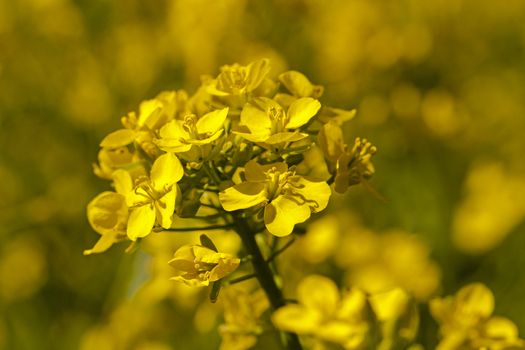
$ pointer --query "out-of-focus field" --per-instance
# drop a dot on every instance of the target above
(439, 87)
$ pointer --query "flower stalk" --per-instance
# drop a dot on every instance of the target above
(263, 274)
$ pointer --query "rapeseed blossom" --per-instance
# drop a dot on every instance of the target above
(180, 135)
(268, 122)
(287, 198)
(326, 315)
(242, 318)
(197, 265)
(239, 80)
(152, 199)
(108, 215)
(348, 166)
(466, 321)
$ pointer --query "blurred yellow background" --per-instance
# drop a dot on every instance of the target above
(439, 87)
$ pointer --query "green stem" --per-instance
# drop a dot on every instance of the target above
(280, 250)
(264, 274)
(241, 279)
(203, 228)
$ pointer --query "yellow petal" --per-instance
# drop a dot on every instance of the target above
(141, 221)
(331, 141)
(260, 137)
(254, 172)
(283, 137)
(257, 71)
(341, 332)
(104, 243)
(390, 305)
(281, 215)
(212, 122)
(335, 115)
(353, 305)
(205, 254)
(183, 260)
(475, 300)
(255, 119)
(122, 181)
(172, 137)
(165, 207)
(107, 213)
(192, 281)
(319, 293)
(297, 319)
(207, 140)
(301, 111)
(226, 265)
(119, 138)
(501, 328)
(242, 196)
(149, 112)
(166, 171)
(316, 193)
(297, 83)
(441, 308)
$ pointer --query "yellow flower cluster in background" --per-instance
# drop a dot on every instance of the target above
(466, 321)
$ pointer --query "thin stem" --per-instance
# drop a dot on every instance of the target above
(210, 217)
(280, 250)
(241, 279)
(210, 170)
(264, 274)
(203, 228)
(210, 206)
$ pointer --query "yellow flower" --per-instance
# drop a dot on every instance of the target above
(107, 214)
(266, 121)
(242, 318)
(179, 136)
(152, 200)
(323, 314)
(288, 198)
(349, 167)
(153, 114)
(466, 323)
(197, 265)
(299, 85)
(398, 317)
(379, 262)
(238, 80)
(111, 159)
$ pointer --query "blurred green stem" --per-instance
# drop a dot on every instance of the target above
(264, 274)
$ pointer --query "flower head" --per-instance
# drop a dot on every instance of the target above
(237, 80)
(242, 318)
(153, 114)
(152, 199)
(349, 166)
(325, 315)
(180, 135)
(466, 321)
(288, 198)
(266, 121)
(197, 265)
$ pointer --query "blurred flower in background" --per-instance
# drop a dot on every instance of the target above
(437, 85)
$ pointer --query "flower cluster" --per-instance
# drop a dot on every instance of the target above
(353, 319)
(235, 145)
(232, 156)
(466, 321)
